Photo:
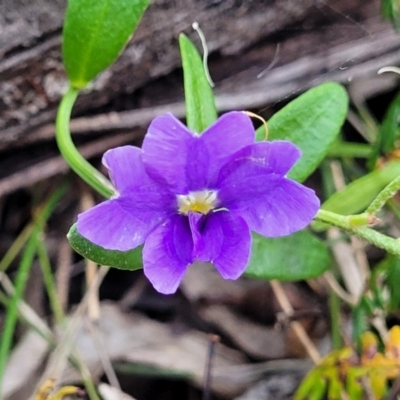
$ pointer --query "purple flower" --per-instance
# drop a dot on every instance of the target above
(191, 197)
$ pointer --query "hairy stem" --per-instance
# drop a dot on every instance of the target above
(378, 239)
(386, 194)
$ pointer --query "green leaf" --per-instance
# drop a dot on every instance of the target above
(358, 195)
(359, 321)
(95, 33)
(290, 258)
(393, 283)
(391, 11)
(312, 121)
(389, 270)
(199, 98)
(388, 132)
(313, 386)
(128, 260)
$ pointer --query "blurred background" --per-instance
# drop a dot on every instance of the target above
(261, 55)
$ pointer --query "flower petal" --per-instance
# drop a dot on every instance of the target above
(167, 253)
(230, 133)
(271, 205)
(184, 161)
(277, 157)
(214, 147)
(125, 166)
(111, 226)
(165, 151)
(225, 241)
(196, 221)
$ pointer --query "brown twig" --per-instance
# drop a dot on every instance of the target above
(295, 325)
(104, 356)
(335, 286)
(214, 339)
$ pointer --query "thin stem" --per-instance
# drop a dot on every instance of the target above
(28, 316)
(298, 329)
(49, 280)
(334, 307)
(348, 222)
(21, 280)
(351, 150)
(16, 247)
(367, 119)
(25, 313)
(12, 310)
(4, 300)
(214, 339)
(386, 194)
(70, 153)
(86, 376)
(86, 203)
(66, 343)
(378, 239)
(339, 291)
(330, 185)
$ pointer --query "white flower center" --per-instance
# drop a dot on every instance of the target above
(202, 201)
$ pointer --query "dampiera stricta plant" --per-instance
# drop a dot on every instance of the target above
(191, 197)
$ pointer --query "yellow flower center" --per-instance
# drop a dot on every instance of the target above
(202, 201)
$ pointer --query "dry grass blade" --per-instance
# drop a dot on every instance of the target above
(65, 346)
(297, 327)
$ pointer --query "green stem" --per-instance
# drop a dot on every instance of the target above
(334, 307)
(59, 315)
(16, 247)
(378, 239)
(386, 194)
(348, 222)
(4, 300)
(12, 310)
(49, 281)
(70, 153)
(86, 377)
(21, 280)
(334, 300)
(351, 150)
(47, 335)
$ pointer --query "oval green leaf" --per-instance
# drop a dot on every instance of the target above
(312, 122)
(128, 260)
(359, 194)
(95, 33)
(199, 98)
(290, 258)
